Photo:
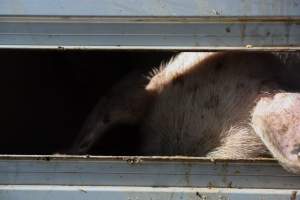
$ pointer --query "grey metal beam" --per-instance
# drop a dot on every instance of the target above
(151, 8)
(154, 35)
(50, 192)
(145, 171)
(149, 24)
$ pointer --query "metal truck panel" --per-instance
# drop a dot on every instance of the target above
(148, 24)
(141, 193)
(98, 177)
(145, 171)
(151, 8)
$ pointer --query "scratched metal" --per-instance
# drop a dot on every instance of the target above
(148, 24)
(140, 193)
(286, 8)
(182, 36)
(145, 171)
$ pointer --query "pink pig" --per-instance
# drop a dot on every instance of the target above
(221, 105)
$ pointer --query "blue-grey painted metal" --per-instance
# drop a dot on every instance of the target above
(81, 177)
(21, 192)
(149, 24)
(151, 8)
(145, 171)
(193, 35)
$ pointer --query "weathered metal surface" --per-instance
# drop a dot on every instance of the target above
(138, 193)
(145, 171)
(151, 7)
(200, 35)
(147, 48)
(147, 24)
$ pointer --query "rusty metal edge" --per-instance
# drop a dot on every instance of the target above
(59, 157)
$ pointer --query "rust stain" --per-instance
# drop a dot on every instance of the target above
(133, 160)
(293, 195)
(186, 159)
(210, 185)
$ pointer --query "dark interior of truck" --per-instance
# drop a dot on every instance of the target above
(47, 95)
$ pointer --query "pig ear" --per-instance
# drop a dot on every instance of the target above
(276, 119)
(126, 103)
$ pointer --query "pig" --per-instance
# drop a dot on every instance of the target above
(227, 105)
